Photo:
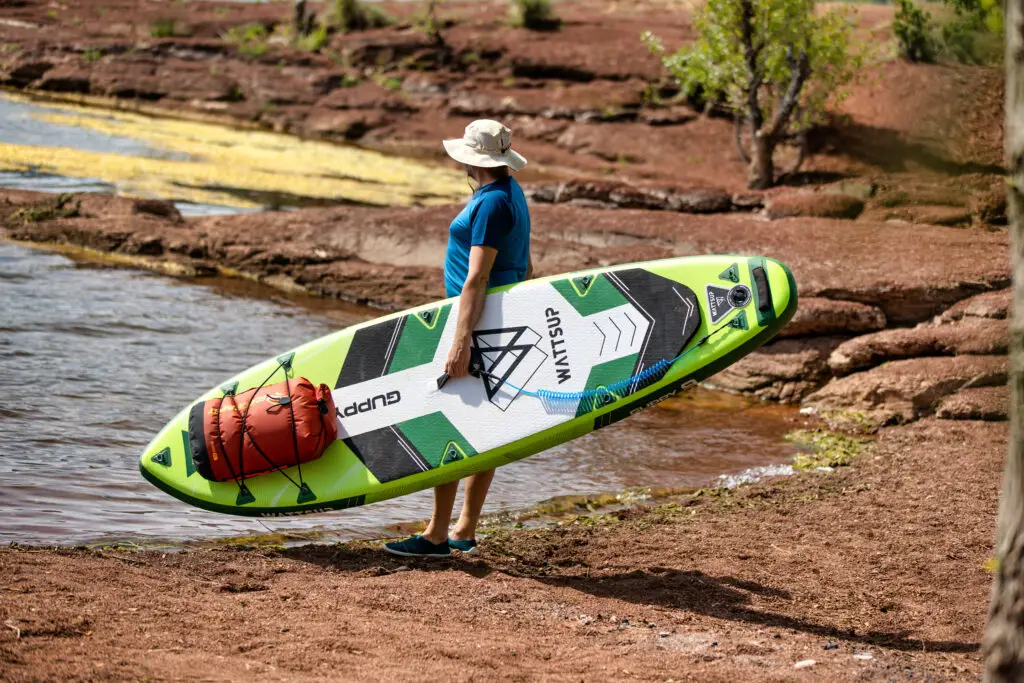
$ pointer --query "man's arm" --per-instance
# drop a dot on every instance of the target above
(471, 306)
(529, 266)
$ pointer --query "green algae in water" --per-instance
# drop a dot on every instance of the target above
(825, 449)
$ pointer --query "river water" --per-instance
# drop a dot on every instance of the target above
(95, 360)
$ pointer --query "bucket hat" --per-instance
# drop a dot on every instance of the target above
(487, 144)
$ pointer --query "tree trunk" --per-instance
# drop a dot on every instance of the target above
(1004, 638)
(762, 167)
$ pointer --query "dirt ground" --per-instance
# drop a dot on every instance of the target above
(875, 572)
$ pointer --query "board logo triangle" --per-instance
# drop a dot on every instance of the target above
(740, 321)
(428, 318)
(582, 284)
(163, 457)
(452, 453)
(732, 273)
(718, 302)
(509, 356)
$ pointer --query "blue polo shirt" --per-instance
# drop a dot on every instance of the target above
(496, 216)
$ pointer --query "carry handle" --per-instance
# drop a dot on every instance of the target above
(476, 367)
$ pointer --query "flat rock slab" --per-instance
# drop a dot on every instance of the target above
(785, 370)
(972, 336)
(904, 390)
(988, 305)
(818, 317)
(986, 403)
(816, 204)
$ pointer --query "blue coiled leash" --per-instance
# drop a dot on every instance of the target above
(578, 402)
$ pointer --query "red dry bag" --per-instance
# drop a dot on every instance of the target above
(261, 430)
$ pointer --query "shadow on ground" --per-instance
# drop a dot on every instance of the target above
(890, 151)
(723, 597)
(728, 598)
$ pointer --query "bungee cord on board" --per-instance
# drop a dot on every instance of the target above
(580, 402)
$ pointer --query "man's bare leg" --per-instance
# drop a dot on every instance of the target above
(477, 486)
(444, 502)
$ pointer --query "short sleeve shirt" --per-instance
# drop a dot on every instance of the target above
(496, 216)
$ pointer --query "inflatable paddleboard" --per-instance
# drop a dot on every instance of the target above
(557, 358)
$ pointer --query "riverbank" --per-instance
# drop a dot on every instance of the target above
(936, 306)
(875, 571)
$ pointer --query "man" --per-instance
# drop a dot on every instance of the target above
(488, 246)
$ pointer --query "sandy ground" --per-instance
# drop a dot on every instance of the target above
(875, 572)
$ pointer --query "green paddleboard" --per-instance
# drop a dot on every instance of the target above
(581, 335)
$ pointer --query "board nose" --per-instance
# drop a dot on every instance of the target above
(783, 289)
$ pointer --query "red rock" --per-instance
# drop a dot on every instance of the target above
(365, 95)
(157, 207)
(70, 77)
(815, 204)
(987, 403)
(191, 80)
(995, 304)
(950, 216)
(347, 125)
(819, 317)
(127, 78)
(269, 85)
(699, 200)
(989, 206)
(786, 370)
(24, 73)
(983, 337)
(904, 390)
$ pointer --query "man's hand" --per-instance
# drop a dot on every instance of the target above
(457, 364)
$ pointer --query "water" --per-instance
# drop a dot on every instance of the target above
(94, 361)
(204, 168)
(22, 123)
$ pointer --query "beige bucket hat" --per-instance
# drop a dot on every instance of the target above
(487, 144)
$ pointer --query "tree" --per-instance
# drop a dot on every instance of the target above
(773, 64)
(1004, 638)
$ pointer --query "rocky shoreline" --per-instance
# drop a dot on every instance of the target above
(875, 338)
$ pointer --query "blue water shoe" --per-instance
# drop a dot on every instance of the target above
(417, 546)
(467, 547)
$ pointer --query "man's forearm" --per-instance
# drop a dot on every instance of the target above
(471, 307)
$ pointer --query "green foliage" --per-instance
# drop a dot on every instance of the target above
(62, 206)
(536, 15)
(353, 15)
(162, 28)
(250, 39)
(970, 39)
(427, 20)
(913, 32)
(971, 35)
(715, 66)
(315, 41)
(825, 449)
(91, 55)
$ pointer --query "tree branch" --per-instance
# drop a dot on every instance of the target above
(800, 71)
(750, 55)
